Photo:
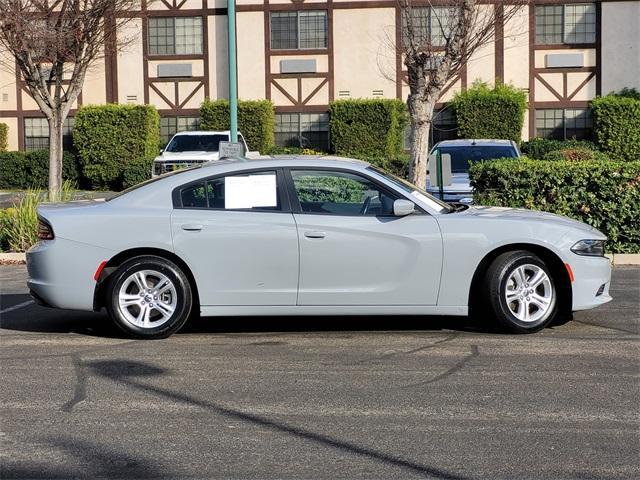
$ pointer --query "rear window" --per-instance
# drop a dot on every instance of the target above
(196, 143)
(462, 157)
(152, 180)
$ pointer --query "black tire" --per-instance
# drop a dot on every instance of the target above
(498, 283)
(180, 297)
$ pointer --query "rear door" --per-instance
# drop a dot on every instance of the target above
(237, 234)
(353, 250)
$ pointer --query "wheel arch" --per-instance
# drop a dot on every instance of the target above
(118, 259)
(554, 262)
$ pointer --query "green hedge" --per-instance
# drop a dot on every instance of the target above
(19, 170)
(368, 129)
(138, 170)
(604, 194)
(256, 120)
(110, 137)
(484, 112)
(575, 154)
(539, 148)
(4, 137)
(617, 125)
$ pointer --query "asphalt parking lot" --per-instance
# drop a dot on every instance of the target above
(392, 397)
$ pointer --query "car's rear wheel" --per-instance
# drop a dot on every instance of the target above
(149, 297)
(520, 292)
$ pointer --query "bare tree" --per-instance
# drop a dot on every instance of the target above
(53, 43)
(437, 39)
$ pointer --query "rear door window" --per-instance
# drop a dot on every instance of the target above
(246, 191)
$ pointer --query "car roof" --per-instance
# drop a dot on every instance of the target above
(477, 142)
(205, 132)
(284, 161)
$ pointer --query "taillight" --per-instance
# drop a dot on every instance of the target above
(45, 232)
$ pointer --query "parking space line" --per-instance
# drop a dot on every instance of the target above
(16, 307)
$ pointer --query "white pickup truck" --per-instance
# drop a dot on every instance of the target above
(191, 148)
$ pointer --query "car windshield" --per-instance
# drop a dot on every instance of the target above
(195, 143)
(463, 157)
(411, 189)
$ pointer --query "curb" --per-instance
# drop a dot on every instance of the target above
(616, 258)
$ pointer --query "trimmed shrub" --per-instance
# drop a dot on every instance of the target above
(372, 130)
(617, 125)
(538, 148)
(604, 194)
(109, 137)
(37, 167)
(4, 137)
(575, 154)
(13, 172)
(256, 120)
(137, 171)
(21, 170)
(484, 112)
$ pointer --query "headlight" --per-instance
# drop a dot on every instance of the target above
(592, 248)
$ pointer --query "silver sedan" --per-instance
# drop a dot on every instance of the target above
(301, 236)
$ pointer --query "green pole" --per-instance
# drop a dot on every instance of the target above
(233, 77)
(439, 165)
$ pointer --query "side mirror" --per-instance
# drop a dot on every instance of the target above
(161, 150)
(402, 208)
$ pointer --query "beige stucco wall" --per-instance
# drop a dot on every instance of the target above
(94, 88)
(7, 83)
(12, 139)
(130, 64)
(251, 57)
(620, 45)
(364, 51)
(516, 49)
(218, 66)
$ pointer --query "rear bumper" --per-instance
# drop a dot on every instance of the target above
(60, 273)
(592, 278)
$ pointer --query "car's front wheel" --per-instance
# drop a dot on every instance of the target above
(149, 297)
(520, 292)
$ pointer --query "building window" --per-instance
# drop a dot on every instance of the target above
(575, 23)
(299, 30)
(429, 25)
(444, 127)
(36, 134)
(175, 36)
(562, 124)
(169, 126)
(302, 130)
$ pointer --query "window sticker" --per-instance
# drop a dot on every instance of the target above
(250, 191)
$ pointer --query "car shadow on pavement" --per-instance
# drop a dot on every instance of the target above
(37, 319)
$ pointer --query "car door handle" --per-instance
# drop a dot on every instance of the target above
(315, 234)
(192, 227)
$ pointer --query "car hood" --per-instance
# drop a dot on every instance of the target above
(529, 216)
(459, 183)
(195, 156)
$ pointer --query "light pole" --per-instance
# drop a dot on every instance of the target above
(233, 74)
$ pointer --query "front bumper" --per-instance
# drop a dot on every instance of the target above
(592, 278)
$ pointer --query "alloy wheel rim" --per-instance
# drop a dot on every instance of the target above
(147, 299)
(529, 293)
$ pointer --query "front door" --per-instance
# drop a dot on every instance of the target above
(354, 251)
(238, 238)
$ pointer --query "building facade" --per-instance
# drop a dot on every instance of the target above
(304, 54)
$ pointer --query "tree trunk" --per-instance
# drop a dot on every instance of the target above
(55, 156)
(421, 113)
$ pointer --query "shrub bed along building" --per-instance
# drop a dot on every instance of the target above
(604, 194)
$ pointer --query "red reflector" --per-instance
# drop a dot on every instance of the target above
(99, 270)
(569, 271)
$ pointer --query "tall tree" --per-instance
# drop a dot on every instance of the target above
(53, 43)
(437, 39)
